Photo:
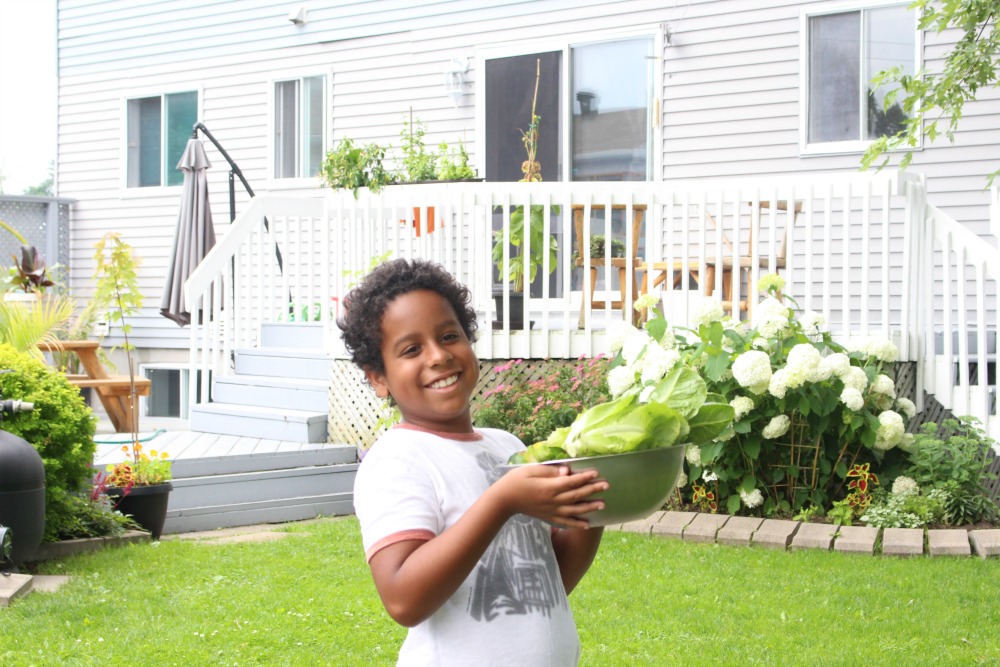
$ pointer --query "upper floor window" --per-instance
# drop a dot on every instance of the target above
(299, 111)
(158, 129)
(844, 51)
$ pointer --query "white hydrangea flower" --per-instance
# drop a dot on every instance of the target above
(693, 455)
(837, 364)
(777, 427)
(752, 370)
(906, 443)
(620, 379)
(905, 486)
(803, 364)
(753, 499)
(668, 341)
(778, 386)
(656, 362)
(618, 331)
(635, 342)
(852, 398)
(770, 281)
(770, 317)
(890, 430)
(855, 378)
(682, 480)
(907, 407)
(646, 301)
(760, 343)
(882, 349)
(709, 476)
(742, 405)
(812, 324)
(883, 384)
(706, 311)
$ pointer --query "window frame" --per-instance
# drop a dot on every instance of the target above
(854, 145)
(565, 45)
(274, 183)
(126, 191)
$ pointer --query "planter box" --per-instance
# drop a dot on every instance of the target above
(57, 550)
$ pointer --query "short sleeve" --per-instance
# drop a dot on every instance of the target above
(394, 496)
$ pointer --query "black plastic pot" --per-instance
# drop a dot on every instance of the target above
(22, 494)
(146, 504)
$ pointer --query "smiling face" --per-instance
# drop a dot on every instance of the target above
(430, 368)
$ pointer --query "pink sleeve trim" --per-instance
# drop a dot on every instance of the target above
(402, 536)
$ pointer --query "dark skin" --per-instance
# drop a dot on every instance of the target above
(431, 371)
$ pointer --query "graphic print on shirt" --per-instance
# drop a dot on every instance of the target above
(518, 574)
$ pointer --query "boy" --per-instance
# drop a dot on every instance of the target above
(458, 550)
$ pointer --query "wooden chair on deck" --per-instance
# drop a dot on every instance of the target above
(744, 263)
(621, 264)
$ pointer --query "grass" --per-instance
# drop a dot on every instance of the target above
(309, 600)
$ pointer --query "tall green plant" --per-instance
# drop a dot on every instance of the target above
(352, 167)
(418, 164)
(118, 284)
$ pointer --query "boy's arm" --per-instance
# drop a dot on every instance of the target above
(415, 577)
(575, 551)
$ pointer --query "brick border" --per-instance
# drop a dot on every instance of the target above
(793, 535)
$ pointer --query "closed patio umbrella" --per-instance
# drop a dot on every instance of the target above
(195, 234)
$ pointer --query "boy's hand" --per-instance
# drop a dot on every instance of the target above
(551, 493)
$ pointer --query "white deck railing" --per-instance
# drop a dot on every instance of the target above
(857, 251)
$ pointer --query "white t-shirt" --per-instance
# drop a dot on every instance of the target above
(512, 609)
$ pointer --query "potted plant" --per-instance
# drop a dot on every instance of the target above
(531, 229)
(352, 167)
(142, 483)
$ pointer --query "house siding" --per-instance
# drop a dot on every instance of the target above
(730, 97)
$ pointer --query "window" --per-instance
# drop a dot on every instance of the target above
(845, 50)
(299, 110)
(602, 133)
(158, 130)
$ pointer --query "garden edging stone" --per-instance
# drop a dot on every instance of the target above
(790, 535)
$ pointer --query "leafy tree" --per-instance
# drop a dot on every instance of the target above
(969, 66)
(43, 189)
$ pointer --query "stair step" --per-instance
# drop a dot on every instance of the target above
(222, 501)
(277, 392)
(293, 334)
(255, 421)
(284, 362)
(324, 455)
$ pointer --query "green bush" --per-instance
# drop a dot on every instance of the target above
(533, 409)
(954, 456)
(89, 516)
(61, 428)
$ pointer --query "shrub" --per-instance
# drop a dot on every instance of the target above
(907, 510)
(89, 516)
(533, 409)
(61, 428)
(954, 457)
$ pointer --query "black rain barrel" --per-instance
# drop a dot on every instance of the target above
(22, 494)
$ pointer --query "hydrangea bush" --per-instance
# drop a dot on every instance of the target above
(807, 410)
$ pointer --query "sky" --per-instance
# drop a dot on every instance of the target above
(27, 92)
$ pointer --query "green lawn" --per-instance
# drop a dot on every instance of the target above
(308, 600)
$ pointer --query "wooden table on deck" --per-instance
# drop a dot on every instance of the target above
(113, 390)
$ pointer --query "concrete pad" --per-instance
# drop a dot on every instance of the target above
(948, 542)
(268, 536)
(48, 583)
(814, 536)
(856, 539)
(738, 530)
(902, 542)
(986, 542)
(643, 526)
(13, 586)
(704, 527)
(775, 533)
(673, 523)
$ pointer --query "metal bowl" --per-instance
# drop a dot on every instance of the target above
(639, 482)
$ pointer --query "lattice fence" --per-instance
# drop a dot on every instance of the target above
(358, 416)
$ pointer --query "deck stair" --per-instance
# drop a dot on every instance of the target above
(258, 453)
(279, 390)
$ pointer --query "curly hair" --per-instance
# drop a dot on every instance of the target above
(364, 306)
